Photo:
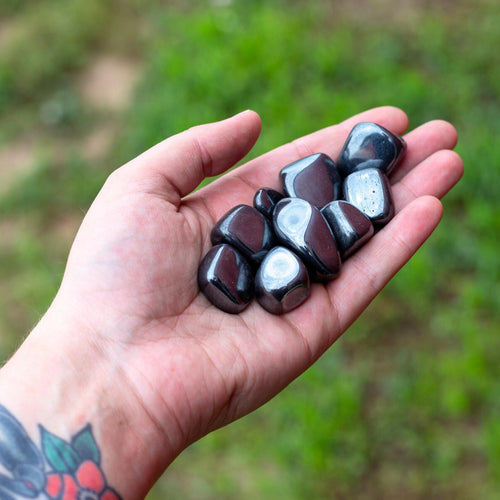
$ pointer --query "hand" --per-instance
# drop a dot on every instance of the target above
(130, 326)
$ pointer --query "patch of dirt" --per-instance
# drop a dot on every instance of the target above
(109, 82)
(8, 29)
(377, 12)
(98, 143)
(16, 159)
(11, 229)
(65, 228)
(107, 85)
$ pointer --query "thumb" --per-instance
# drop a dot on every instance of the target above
(182, 161)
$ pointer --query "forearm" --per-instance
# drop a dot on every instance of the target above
(57, 387)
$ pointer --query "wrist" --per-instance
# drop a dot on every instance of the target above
(64, 379)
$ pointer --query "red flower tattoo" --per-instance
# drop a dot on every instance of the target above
(88, 483)
(62, 470)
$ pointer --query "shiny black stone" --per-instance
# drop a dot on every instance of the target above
(300, 226)
(352, 228)
(247, 230)
(226, 279)
(265, 200)
(314, 178)
(282, 281)
(371, 146)
(369, 191)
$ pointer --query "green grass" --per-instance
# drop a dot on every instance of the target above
(406, 403)
(46, 42)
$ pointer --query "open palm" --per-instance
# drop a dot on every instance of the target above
(182, 366)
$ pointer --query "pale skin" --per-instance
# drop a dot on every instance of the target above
(131, 346)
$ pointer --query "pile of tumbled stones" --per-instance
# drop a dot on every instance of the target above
(274, 249)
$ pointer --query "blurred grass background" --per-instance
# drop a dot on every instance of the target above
(407, 404)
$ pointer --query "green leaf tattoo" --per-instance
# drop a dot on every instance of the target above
(56, 470)
(59, 454)
(84, 444)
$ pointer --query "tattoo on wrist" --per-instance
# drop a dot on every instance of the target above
(57, 470)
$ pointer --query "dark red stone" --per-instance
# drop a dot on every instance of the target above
(370, 145)
(245, 228)
(226, 279)
(300, 226)
(265, 200)
(314, 178)
(351, 227)
(282, 281)
(369, 191)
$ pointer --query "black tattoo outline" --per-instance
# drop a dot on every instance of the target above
(58, 470)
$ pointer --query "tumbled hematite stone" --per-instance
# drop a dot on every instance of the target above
(300, 226)
(351, 227)
(282, 281)
(369, 191)
(265, 200)
(226, 279)
(245, 228)
(314, 178)
(371, 146)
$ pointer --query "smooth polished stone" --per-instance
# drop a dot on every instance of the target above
(351, 227)
(247, 230)
(226, 279)
(282, 281)
(265, 200)
(300, 226)
(314, 178)
(371, 146)
(369, 191)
